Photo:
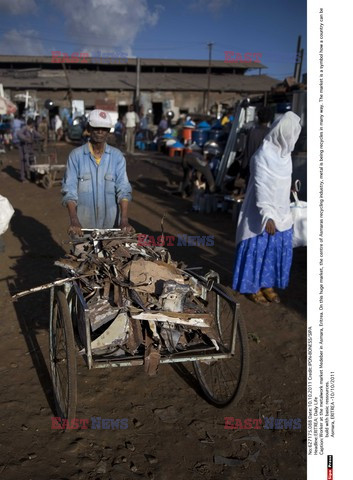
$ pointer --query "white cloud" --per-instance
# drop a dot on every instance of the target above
(24, 42)
(18, 7)
(212, 5)
(110, 23)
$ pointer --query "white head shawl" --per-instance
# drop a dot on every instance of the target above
(268, 192)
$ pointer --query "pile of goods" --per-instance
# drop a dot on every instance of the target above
(137, 299)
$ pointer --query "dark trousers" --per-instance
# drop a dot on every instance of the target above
(26, 159)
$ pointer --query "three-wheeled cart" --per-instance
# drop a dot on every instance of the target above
(221, 367)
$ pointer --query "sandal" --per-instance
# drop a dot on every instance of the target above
(258, 298)
(270, 295)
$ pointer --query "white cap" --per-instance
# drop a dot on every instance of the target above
(100, 118)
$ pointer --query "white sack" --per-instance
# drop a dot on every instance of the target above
(6, 212)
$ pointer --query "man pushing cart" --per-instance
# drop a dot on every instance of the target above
(96, 190)
(123, 304)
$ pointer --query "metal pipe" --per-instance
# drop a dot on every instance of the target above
(139, 362)
(234, 330)
(51, 319)
(210, 45)
(88, 341)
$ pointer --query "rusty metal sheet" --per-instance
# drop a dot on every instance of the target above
(117, 295)
(157, 273)
(101, 312)
(116, 333)
(135, 337)
(152, 358)
(106, 290)
(171, 338)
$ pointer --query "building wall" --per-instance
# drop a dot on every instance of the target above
(180, 102)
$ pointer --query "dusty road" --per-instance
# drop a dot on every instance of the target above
(173, 433)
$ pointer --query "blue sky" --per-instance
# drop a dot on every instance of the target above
(157, 29)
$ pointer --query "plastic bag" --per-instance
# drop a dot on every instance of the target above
(6, 212)
(299, 213)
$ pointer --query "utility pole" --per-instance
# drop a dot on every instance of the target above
(300, 64)
(210, 45)
(137, 93)
(69, 90)
(297, 68)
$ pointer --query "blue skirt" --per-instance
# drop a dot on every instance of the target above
(263, 262)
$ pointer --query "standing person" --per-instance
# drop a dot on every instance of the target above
(255, 139)
(119, 131)
(27, 137)
(58, 127)
(144, 127)
(96, 190)
(163, 125)
(131, 120)
(264, 232)
(17, 124)
(84, 127)
(205, 163)
(43, 128)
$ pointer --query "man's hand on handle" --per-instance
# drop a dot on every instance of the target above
(125, 226)
(75, 229)
(124, 220)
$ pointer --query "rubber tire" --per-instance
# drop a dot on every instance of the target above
(63, 308)
(47, 181)
(241, 336)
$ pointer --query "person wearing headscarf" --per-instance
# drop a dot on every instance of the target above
(255, 138)
(264, 231)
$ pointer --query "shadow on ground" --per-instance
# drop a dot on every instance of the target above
(35, 266)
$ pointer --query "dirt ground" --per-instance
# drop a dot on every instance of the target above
(173, 433)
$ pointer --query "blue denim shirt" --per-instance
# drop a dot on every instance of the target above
(96, 189)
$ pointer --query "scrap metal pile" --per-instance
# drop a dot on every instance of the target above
(138, 300)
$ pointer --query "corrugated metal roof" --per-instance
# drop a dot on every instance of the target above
(89, 80)
(157, 62)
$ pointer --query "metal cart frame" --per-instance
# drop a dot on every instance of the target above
(203, 358)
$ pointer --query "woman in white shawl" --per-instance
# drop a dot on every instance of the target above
(264, 232)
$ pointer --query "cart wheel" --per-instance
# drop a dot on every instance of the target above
(224, 380)
(78, 319)
(63, 358)
(47, 181)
